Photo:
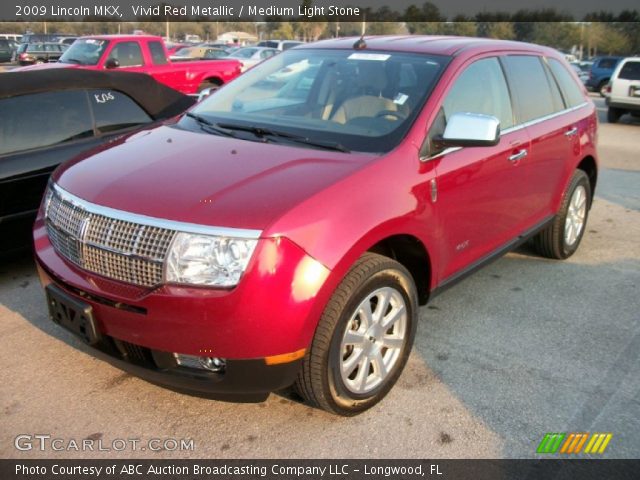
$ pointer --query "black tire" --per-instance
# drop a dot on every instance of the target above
(319, 381)
(212, 84)
(602, 87)
(614, 114)
(550, 242)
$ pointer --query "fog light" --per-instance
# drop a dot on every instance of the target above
(212, 364)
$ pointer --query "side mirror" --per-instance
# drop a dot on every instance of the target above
(111, 63)
(204, 93)
(470, 130)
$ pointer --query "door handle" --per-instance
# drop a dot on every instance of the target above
(571, 133)
(518, 156)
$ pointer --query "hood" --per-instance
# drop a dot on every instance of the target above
(205, 179)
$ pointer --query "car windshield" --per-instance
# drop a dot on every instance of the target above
(85, 51)
(361, 101)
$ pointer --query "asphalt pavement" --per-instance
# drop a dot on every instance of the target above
(524, 347)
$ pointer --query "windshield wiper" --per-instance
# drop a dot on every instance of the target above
(208, 126)
(262, 132)
(71, 60)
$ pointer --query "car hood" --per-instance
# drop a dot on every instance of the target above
(169, 173)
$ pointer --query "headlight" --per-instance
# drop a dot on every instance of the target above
(208, 260)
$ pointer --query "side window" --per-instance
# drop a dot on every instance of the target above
(630, 71)
(128, 54)
(157, 53)
(531, 87)
(114, 110)
(43, 119)
(607, 63)
(571, 91)
(266, 53)
(481, 88)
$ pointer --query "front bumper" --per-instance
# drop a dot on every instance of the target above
(273, 312)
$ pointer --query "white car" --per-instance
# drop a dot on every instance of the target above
(624, 90)
(251, 56)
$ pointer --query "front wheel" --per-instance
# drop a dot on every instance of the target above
(614, 114)
(363, 339)
(561, 239)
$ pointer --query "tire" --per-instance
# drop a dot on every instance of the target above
(212, 84)
(325, 378)
(39, 61)
(614, 114)
(602, 87)
(556, 240)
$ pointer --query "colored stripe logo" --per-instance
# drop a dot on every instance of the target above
(573, 443)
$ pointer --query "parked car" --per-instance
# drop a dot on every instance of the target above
(145, 54)
(624, 90)
(280, 44)
(272, 237)
(174, 47)
(583, 75)
(37, 53)
(6, 50)
(600, 73)
(198, 53)
(52, 116)
(251, 56)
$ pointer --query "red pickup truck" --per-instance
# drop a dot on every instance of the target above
(145, 54)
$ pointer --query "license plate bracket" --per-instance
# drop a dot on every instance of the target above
(72, 314)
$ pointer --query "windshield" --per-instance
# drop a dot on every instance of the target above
(363, 101)
(85, 51)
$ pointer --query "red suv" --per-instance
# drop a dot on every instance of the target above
(286, 232)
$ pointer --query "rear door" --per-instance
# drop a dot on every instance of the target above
(477, 187)
(553, 131)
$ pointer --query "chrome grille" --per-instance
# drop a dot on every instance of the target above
(114, 248)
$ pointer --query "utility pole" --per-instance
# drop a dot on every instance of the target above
(167, 34)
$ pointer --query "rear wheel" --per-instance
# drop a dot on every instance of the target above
(363, 339)
(213, 84)
(602, 88)
(561, 239)
(614, 114)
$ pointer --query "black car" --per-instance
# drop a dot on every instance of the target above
(6, 50)
(30, 53)
(51, 116)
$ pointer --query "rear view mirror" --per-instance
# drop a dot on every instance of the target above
(471, 130)
(111, 63)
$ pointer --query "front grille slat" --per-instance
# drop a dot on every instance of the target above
(112, 247)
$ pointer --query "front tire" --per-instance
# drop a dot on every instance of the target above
(363, 339)
(561, 239)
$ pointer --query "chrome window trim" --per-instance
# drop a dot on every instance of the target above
(515, 128)
(154, 221)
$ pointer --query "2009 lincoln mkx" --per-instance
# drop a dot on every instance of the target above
(286, 229)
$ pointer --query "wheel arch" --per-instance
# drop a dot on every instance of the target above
(589, 166)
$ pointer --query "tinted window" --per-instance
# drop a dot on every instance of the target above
(43, 119)
(570, 90)
(607, 63)
(530, 87)
(128, 54)
(556, 96)
(4, 44)
(481, 88)
(288, 45)
(630, 71)
(157, 53)
(114, 110)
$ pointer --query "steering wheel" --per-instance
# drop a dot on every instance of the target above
(391, 113)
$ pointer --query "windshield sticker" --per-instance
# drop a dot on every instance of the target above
(103, 97)
(400, 99)
(378, 57)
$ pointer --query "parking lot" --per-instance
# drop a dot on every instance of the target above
(524, 347)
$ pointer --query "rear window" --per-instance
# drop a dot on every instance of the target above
(43, 119)
(630, 71)
(570, 90)
(157, 53)
(114, 110)
(532, 89)
(4, 44)
(268, 43)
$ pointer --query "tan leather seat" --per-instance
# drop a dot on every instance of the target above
(372, 79)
